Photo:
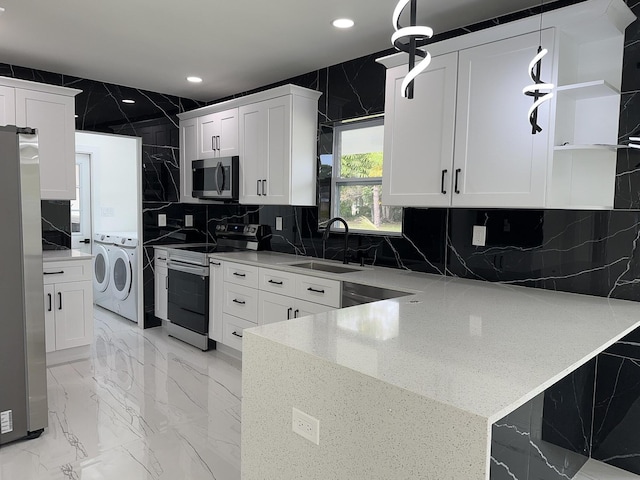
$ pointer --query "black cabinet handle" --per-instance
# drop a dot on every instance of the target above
(258, 187)
(264, 182)
(442, 190)
(239, 302)
(166, 282)
(217, 264)
(60, 300)
(236, 334)
(213, 143)
(275, 283)
(239, 274)
(458, 170)
(218, 142)
(295, 314)
(314, 290)
(163, 259)
(289, 310)
(50, 306)
(54, 273)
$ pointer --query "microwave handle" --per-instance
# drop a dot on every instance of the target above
(219, 172)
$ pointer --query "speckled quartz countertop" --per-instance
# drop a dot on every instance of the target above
(481, 347)
(64, 255)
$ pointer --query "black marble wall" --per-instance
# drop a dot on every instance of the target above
(56, 224)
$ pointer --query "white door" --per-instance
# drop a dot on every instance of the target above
(207, 136)
(497, 160)
(121, 274)
(7, 106)
(277, 156)
(49, 318)
(188, 153)
(252, 147)
(53, 116)
(274, 308)
(227, 133)
(74, 314)
(81, 233)
(419, 134)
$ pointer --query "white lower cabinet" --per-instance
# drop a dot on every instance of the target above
(68, 304)
(274, 308)
(216, 298)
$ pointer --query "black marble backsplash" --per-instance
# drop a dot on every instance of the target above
(56, 224)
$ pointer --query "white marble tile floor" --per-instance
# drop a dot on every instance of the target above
(144, 406)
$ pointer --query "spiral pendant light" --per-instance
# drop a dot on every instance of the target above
(405, 40)
(539, 90)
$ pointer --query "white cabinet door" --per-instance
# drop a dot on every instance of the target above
(218, 134)
(277, 155)
(188, 153)
(53, 116)
(49, 318)
(216, 299)
(497, 160)
(74, 314)
(7, 106)
(274, 308)
(161, 292)
(252, 147)
(419, 136)
(304, 308)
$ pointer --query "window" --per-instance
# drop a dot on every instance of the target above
(357, 179)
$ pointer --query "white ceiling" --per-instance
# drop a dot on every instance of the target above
(234, 45)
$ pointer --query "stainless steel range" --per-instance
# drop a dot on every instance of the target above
(188, 302)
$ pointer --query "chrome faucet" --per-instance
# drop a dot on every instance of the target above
(325, 235)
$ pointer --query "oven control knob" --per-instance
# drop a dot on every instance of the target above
(252, 230)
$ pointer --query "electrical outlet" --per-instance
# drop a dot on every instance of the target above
(279, 224)
(162, 219)
(188, 220)
(306, 426)
(479, 238)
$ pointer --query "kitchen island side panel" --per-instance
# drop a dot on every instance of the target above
(369, 429)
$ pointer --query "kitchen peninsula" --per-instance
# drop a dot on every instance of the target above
(411, 387)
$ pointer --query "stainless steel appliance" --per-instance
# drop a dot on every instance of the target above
(23, 381)
(188, 275)
(216, 178)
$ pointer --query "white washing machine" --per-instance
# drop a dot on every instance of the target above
(124, 275)
(102, 245)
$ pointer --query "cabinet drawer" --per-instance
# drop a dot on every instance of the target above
(241, 301)
(241, 274)
(71, 271)
(282, 283)
(232, 328)
(160, 257)
(318, 290)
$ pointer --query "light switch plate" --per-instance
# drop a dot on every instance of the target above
(188, 220)
(162, 219)
(278, 224)
(479, 238)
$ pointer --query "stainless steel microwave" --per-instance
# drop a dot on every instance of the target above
(216, 178)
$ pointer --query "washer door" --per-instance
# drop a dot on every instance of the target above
(121, 274)
(101, 271)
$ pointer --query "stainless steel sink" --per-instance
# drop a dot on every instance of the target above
(324, 267)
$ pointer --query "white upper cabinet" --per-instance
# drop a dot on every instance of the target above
(418, 135)
(218, 134)
(274, 132)
(7, 106)
(51, 110)
(498, 161)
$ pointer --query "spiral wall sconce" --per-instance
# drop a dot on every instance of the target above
(540, 91)
(406, 39)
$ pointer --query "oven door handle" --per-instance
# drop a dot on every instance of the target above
(186, 268)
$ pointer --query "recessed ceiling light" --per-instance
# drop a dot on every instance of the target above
(1, 10)
(343, 23)
(194, 79)
(128, 100)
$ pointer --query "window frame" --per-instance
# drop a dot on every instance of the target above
(337, 181)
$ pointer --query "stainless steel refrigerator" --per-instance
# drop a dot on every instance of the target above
(23, 380)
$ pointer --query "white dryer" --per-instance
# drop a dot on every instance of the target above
(124, 276)
(102, 244)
